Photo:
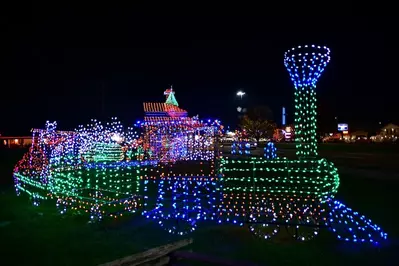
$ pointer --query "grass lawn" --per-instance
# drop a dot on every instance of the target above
(39, 236)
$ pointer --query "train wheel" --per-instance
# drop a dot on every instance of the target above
(305, 229)
(262, 220)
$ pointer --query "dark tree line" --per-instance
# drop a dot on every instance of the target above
(258, 122)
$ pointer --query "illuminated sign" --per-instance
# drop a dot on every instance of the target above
(287, 133)
(343, 127)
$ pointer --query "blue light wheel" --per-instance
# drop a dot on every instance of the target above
(265, 230)
(307, 228)
(262, 221)
(179, 224)
(35, 200)
(61, 205)
(304, 223)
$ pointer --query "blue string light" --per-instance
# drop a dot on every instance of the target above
(305, 65)
(270, 151)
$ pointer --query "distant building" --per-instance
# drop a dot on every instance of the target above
(390, 131)
(359, 136)
(359, 133)
(15, 141)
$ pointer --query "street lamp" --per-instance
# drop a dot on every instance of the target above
(240, 93)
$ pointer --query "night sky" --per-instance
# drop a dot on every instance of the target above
(55, 67)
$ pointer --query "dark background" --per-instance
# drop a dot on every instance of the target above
(56, 65)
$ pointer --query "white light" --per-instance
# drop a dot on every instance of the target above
(116, 138)
(240, 93)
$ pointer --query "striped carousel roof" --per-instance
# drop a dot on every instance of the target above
(163, 109)
(166, 119)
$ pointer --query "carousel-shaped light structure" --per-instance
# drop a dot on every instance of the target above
(179, 191)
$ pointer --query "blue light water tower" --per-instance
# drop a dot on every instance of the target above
(305, 65)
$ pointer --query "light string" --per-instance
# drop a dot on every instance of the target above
(305, 65)
(87, 170)
(173, 171)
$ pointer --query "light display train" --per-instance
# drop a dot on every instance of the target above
(169, 167)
